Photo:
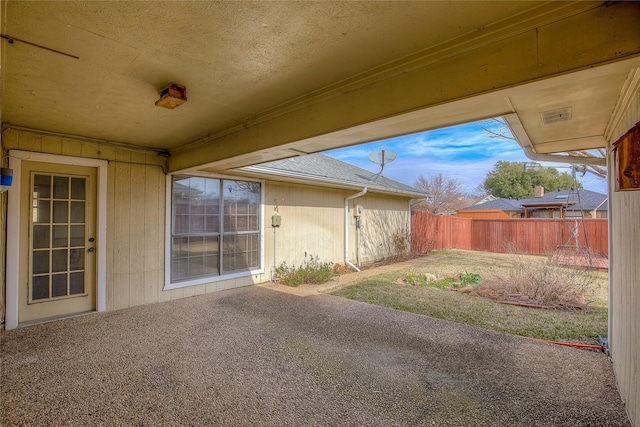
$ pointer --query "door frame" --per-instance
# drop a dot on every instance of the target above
(14, 217)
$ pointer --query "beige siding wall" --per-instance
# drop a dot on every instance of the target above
(385, 231)
(135, 214)
(135, 230)
(136, 194)
(624, 278)
(312, 222)
(313, 225)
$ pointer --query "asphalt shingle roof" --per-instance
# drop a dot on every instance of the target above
(589, 200)
(321, 168)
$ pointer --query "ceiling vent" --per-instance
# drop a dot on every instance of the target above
(554, 116)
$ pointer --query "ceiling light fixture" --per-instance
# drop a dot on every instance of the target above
(172, 96)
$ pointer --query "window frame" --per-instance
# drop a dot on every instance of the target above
(168, 284)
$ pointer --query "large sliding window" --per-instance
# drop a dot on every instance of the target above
(215, 227)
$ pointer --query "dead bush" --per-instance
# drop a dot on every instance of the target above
(540, 282)
(397, 246)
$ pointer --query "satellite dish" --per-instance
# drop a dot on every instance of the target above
(382, 157)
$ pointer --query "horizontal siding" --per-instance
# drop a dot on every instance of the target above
(385, 229)
(313, 225)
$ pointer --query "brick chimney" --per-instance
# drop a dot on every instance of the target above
(538, 191)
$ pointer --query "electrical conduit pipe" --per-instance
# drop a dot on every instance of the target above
(346, 226)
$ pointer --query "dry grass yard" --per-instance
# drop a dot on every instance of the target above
(433, 288)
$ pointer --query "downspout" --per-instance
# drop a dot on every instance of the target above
(346, 226)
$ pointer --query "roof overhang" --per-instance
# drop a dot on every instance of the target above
(548, 205)
(270, 80)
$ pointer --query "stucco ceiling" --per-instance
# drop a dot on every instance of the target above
(94, 69)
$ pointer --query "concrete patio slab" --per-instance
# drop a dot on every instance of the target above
(259, 356)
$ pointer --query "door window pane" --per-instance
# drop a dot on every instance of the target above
(41, 236)
(59, 260)
(77, 235)
(60, 237)
(39, 287)
(60, 187)
(59, 285)
(60, 211)
(78, 188)
(76, 283)
(77, 211)
(76, 259)
(42, 211)
(40, 262)
(41, 186)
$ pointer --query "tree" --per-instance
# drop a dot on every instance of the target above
(509, 180)
(446, 194)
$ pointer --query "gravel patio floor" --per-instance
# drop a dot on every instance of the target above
(260, 356)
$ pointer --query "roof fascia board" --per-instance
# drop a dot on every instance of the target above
(522, 138)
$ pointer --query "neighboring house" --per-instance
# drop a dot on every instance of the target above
(482, 199)
(498, 208)
(555, 204)
(470, 201)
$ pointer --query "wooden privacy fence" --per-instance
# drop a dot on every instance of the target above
(529, 236)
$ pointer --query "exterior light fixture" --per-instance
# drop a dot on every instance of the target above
(172, 96)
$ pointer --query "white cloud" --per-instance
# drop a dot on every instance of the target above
(466, 153)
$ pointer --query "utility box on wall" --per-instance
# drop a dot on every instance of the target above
(626, 160)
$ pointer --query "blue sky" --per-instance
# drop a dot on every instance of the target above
(464, 152)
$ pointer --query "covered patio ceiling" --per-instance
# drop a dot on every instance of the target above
(269, 80)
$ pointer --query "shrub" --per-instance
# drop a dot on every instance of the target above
(469, 279)
(311, 271)
(542, 282)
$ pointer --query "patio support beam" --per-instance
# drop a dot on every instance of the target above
(400, 98)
